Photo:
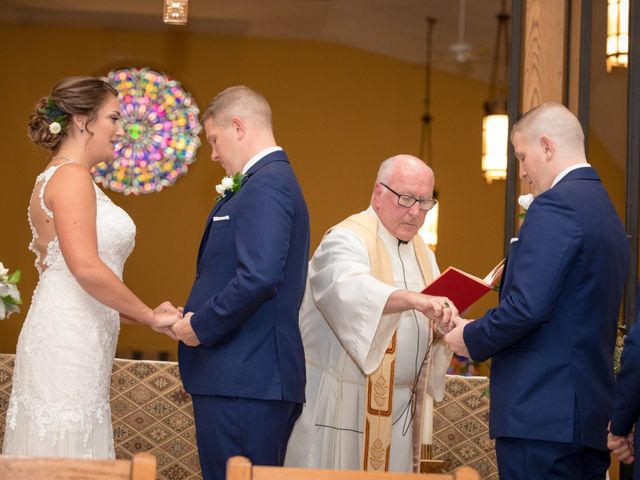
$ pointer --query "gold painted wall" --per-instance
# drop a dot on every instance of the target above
(338, 112)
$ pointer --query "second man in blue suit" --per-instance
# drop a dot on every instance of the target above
(241, 356)
(552, 336)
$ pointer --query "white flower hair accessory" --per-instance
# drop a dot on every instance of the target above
(55, 128)
(57, 118)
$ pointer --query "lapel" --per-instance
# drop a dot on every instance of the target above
(502, 280)
(583, 173)
(205, 235)
(277, 156)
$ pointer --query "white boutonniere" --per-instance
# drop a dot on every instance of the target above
(9, 294)
(525, 202)
(229, 185)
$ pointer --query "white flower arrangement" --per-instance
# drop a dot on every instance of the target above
(55, 128)
(9, 294)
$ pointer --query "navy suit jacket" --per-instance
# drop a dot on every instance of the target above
(626, 406)
(552, 336)
(250, 280)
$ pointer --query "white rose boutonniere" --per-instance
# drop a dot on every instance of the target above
(220, 189)
(229, 185)
(9, 294)
(525, 202)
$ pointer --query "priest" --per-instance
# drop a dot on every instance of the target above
(372, 351)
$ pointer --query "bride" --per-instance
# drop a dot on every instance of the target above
(59, 405)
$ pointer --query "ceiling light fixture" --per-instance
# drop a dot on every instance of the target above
(176, 11)
(495, 123)
(617, 34)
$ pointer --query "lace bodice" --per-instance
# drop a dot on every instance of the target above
(115, 242)
(60, 399)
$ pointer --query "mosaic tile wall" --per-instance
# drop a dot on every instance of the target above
(151, 412)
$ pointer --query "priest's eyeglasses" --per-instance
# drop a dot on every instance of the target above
(407, 201)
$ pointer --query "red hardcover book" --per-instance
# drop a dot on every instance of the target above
(462, 288)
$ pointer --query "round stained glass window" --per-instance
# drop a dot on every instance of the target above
(160, 141)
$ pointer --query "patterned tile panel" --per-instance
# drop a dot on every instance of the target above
(148, 401)
(151, 411)
(460, 426)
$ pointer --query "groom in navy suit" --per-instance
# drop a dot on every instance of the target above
(552, 336)
(241, 355)
(624, 434)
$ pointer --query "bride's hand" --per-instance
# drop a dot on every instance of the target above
(167, 331)
(165, 315)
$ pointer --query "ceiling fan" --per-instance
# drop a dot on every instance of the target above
(461, 52)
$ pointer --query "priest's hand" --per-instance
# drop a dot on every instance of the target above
(455, 339)
(441, 310)
(184, 332)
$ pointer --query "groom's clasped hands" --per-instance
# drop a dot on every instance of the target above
(171, 321)
(449, 323)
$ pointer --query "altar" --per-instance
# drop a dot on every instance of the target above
(151, 412)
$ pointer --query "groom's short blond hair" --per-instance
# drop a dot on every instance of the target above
(239, 101)
(555, 121)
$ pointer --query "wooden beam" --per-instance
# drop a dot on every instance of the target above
(545, 40)
(544, 52)
(573, 70)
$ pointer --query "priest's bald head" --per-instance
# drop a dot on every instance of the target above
(547, 140)
(403, 194)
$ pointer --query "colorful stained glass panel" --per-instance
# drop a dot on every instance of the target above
(160, 122)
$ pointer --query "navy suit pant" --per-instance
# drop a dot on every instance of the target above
(525, 459)
(228, 426)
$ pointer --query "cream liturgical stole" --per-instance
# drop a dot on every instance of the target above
(379, 388)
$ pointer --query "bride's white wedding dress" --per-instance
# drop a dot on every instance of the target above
(59, 405)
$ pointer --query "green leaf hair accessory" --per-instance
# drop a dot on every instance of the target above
(57, 118)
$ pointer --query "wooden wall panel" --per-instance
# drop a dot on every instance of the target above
(544, 47)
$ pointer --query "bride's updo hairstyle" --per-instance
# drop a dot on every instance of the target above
(52, 115)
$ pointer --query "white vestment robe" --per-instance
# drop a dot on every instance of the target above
(345, 335)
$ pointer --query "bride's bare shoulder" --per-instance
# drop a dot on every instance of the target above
(70, 183)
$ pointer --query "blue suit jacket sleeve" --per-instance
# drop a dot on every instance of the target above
(538, 264)
(626, 407)
(262, 236)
